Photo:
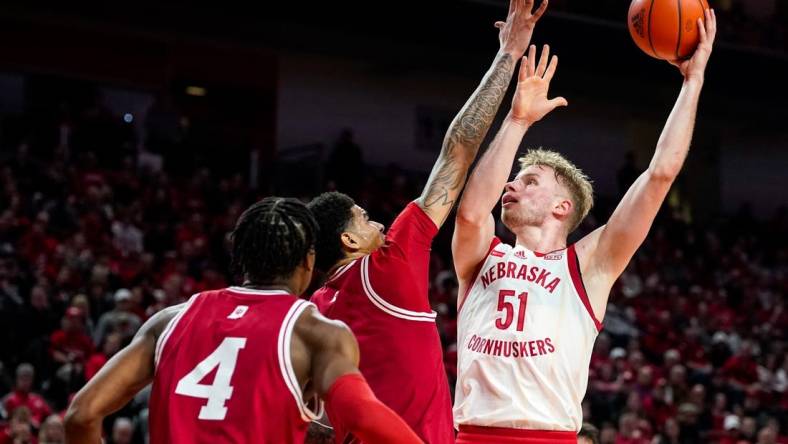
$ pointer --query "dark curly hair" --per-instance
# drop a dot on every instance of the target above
(272, 238)
(333, 214)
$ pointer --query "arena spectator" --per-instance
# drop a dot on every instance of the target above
(111, 345)
(52, 431)
(19, 429)
(588, 434)
(24, 396)
(70, 344)
(122, 431)
(121, 319)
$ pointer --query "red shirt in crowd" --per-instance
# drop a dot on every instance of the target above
(77, 343)
(94, 364)
(741, 369)
(39, 409)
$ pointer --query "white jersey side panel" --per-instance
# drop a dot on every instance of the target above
(525, 336)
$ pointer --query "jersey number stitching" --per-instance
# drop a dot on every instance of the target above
(225, 357)
(507, 307)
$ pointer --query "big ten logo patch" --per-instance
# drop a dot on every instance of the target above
(239, 312)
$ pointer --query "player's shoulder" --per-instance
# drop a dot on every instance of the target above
(316, 329)
(498, 246)
(156, 324)
(312, 321)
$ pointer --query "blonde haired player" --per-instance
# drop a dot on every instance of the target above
(529, 313)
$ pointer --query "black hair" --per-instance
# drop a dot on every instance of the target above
(590, 432)
(272, 238)
(333, 212)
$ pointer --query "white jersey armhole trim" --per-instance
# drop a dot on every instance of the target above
(168, 331)
(495, 243)
(387, 307)
(573, 267)
(286, 363)
(341, 270)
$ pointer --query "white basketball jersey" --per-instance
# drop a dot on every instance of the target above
(526, 331)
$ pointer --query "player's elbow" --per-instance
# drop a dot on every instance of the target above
(471, 218)
(665, 174)
(78, 416)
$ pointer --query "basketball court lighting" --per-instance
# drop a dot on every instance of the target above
(198, 91)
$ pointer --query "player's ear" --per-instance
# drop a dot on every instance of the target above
(349, 241)
(309, 260)
(563, 207)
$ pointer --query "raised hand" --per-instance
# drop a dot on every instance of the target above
(515, 33)
(530, 102)
(695, 67)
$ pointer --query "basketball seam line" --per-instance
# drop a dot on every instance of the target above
(678, 42)
(650, 42)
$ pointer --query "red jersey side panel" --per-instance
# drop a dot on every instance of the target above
(224, 373)
(383, 299)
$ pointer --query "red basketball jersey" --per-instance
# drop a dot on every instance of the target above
(224, 373)
(383, 299)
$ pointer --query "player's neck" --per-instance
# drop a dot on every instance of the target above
(542, 239)
(273, 286)
(350, 257)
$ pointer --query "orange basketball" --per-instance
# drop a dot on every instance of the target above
(666, 29)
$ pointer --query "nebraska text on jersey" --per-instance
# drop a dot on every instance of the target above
(514, 270)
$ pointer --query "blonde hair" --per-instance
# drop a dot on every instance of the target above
(569, 175)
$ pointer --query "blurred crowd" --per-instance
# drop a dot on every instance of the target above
(693, 349)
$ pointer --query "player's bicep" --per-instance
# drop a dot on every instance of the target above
(125, 374)
(334, 350)
(470, 244)
(629, 225)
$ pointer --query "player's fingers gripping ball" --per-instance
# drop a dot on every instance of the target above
(666, 29)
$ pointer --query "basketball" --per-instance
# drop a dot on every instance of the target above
(666, 29)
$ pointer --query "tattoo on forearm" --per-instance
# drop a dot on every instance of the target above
(465, 135)
(471, 125)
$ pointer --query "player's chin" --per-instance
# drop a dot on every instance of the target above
(510, 218)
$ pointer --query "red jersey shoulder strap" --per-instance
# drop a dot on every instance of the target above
(577, 279)
(165, 335)
(494, 243)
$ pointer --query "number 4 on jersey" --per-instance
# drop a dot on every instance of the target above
(225, 356)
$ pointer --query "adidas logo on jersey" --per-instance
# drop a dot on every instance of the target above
(520, 254)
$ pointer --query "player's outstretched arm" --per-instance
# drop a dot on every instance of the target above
(467, 130)
(351, 405)
(474, 228)
(116, 383)
(605, 253)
